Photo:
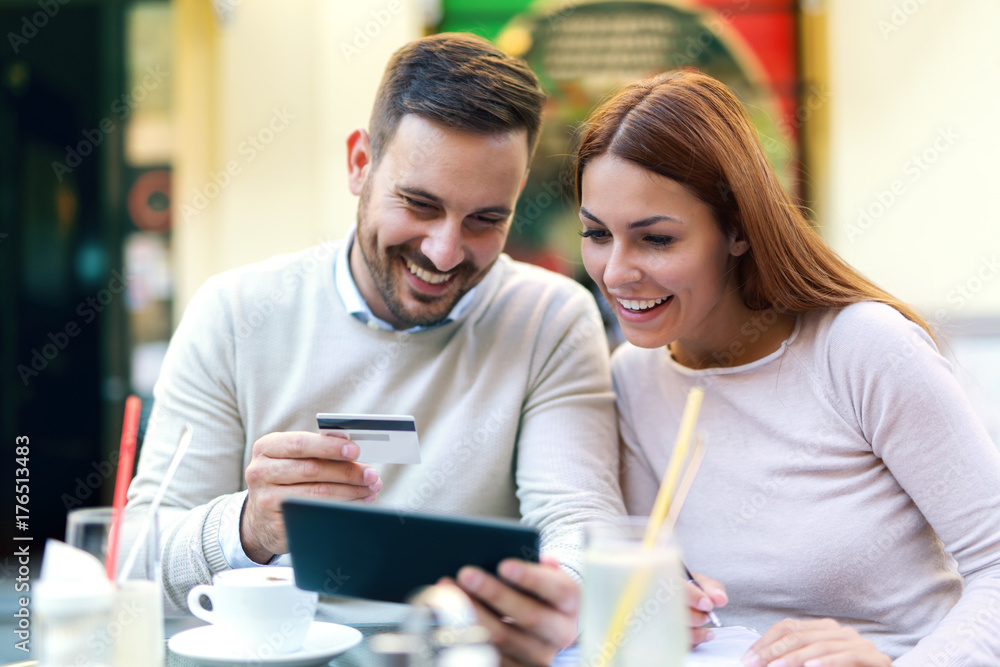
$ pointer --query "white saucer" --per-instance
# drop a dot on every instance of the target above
(210, 646)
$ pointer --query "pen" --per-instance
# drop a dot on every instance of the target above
(711, 615)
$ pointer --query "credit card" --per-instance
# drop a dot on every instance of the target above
(382, 438)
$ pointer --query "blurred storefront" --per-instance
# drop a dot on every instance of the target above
(584, 50)
(85, 126)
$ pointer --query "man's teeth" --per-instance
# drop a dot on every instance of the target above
(632, 304)
(427, 276)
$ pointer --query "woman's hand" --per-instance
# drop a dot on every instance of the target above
(822, 643)
(700, 602)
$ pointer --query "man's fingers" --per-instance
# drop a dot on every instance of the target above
(305, 445)
(528, 613)
(270, 498)
(298, 464)
(517, 646)
(544, 581)
(295, 471)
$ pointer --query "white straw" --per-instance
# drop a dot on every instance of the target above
(154, 505)
(697, 454)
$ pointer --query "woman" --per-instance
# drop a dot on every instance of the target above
(844, 467)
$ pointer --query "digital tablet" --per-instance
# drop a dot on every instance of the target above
(346, 549)
(381, 438)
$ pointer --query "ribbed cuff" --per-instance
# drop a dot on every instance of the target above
(210, 534)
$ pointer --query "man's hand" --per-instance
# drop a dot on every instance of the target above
(712, 594)
(822, 643)
(530, 610)
(284, 465)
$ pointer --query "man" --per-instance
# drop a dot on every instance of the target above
(503, 365)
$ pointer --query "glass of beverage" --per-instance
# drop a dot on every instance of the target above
(134, 634)
(634, 611)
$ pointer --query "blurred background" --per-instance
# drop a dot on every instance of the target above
(146, 145)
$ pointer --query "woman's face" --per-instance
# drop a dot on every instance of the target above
(660, 259)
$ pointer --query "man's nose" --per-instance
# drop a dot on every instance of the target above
(443, 245)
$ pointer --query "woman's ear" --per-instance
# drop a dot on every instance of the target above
(738, 245)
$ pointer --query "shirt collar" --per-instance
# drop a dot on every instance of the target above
(347, 290)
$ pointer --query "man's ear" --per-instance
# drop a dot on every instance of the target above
(359, 159)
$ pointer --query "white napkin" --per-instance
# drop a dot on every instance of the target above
(71, 581)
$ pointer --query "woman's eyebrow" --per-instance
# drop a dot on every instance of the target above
(638, 224)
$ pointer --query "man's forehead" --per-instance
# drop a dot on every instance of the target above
(419, 135)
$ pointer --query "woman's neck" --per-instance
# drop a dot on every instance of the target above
(742, 337)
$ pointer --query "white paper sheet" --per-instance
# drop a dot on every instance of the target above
(728, 647)
(725, 650)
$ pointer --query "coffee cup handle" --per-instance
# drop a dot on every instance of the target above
(194, 602)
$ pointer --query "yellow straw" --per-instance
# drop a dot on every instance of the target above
(662, 503)
(661, 506)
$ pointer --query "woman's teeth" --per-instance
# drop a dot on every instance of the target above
(427, 276)
(633, 304)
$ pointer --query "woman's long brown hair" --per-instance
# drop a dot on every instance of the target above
(690, 128)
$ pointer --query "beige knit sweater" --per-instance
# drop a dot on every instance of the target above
(513, 401)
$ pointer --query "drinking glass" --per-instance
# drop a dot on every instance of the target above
(135, 631)
(642, 587)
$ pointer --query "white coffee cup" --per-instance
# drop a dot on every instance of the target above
(260, 607)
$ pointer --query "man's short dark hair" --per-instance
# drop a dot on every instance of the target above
(460, 81)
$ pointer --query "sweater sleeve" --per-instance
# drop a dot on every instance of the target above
(919, 422)
(197, 387)
(567, 472)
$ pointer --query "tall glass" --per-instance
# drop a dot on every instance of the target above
(135, 632)
(634, 610)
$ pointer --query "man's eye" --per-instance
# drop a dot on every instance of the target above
(414, 203)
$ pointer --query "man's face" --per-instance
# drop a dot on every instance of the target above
(433, 216)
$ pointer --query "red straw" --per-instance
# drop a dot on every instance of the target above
(126, 461)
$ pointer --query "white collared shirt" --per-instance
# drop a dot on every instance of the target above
(347, 290)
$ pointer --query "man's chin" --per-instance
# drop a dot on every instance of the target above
(419, 311)
(423, 317)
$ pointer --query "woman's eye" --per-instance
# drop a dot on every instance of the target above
(595, 234)
(659, 240)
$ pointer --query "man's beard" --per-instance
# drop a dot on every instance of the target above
(381, 267)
